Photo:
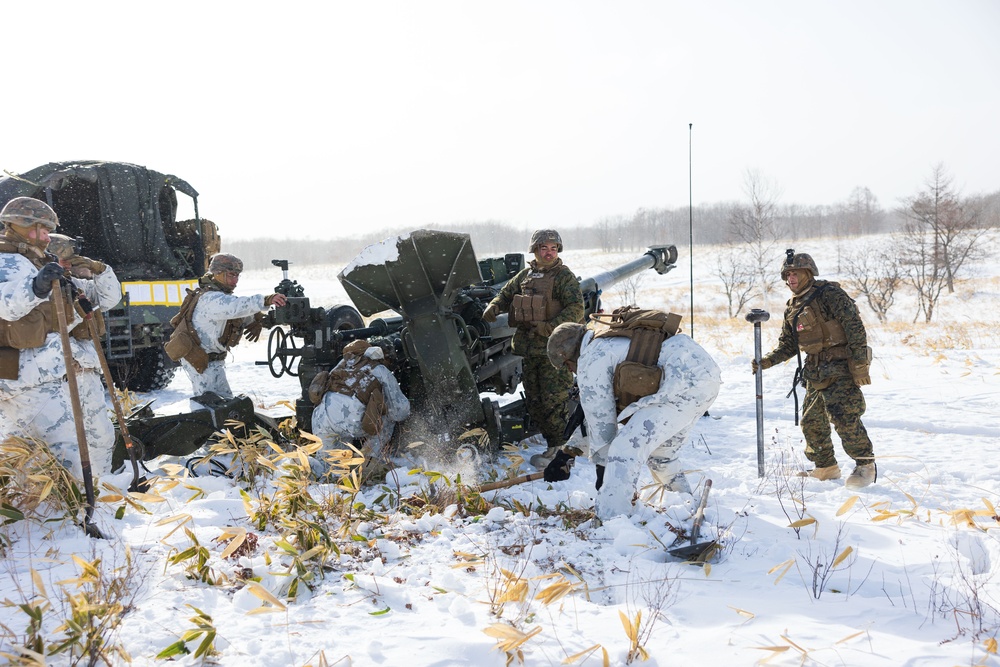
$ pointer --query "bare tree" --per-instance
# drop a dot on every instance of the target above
(738, 275)
(952, 224)
(755, 224)
(876, 272)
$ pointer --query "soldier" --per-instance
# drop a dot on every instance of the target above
(823, 321)
(34, 396)
(651, 429)
(212, 320)
(538, 299)
(358, 400)
(95, 279)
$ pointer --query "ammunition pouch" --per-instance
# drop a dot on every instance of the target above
(526, 309)
(182, 345)
(535, 303)
(375, 410)
(317, 388)
(633, 380)
(860, 370)
(639, 375)
(816, 334)
(10, 363)
(231, 333)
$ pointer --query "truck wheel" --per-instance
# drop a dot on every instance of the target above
(150, 369)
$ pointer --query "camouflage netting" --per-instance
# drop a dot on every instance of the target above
(125, 213)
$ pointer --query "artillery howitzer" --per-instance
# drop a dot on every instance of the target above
(437, 345)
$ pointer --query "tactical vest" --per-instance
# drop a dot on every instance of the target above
(353, 377)
(814, 332)
(639, 374)
(536, 303)
(184, 341)
(29, 331)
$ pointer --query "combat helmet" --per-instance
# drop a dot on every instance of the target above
(62, 246)
(545, 236)
(564, 343)
(800, 260)
(27, 211)
(225, 263)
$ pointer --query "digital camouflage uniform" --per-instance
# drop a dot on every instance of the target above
(546, 389)
(832, 396)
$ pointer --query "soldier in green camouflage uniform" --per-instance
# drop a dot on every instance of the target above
(538, 299)
(823, 321)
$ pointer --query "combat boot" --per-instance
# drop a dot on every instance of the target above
(863, 475)
(829, 472)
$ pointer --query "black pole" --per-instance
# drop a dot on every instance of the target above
(691, 228)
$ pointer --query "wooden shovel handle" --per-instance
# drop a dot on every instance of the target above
(699, 514)
(503, 484)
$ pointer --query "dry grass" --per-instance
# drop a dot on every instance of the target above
(35, 484)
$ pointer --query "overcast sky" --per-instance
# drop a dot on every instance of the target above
(323, 119)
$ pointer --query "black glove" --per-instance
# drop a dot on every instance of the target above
(558, 469)
(42, 284)
(600, 477)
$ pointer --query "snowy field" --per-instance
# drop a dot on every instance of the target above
(906, 572)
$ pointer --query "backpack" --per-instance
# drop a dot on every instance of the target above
(639, 375)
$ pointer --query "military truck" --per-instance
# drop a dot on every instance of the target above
(126, 216)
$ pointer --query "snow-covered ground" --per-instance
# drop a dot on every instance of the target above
(906, 572)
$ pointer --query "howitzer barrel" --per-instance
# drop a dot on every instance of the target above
(661, 258)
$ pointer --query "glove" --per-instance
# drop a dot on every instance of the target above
(600, 477)
(83, 264)
(278, 299)
(558, 469)
(765, 363)
(544, 329)
(42, 283)
(490, 314)
(252, 330)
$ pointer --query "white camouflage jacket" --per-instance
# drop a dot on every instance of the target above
(215, 308)
(687, 370)
(45, 363)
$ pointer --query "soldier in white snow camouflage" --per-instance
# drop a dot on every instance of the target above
(358, 400)
(212, 320)
(34, 396)
(649, 430)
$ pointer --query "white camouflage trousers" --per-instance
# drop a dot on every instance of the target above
(44, 412)
(213, 379)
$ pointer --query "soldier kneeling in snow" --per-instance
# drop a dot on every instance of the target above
(628, 431)
(358, 400)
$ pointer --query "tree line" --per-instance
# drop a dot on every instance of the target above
(932, 236)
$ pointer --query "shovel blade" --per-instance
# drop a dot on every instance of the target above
(696, 553)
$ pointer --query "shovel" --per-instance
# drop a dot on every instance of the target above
(697, 553)
(139, 483)
(503, 484)
(89, 527)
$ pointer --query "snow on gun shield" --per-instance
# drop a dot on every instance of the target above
(639, 375)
